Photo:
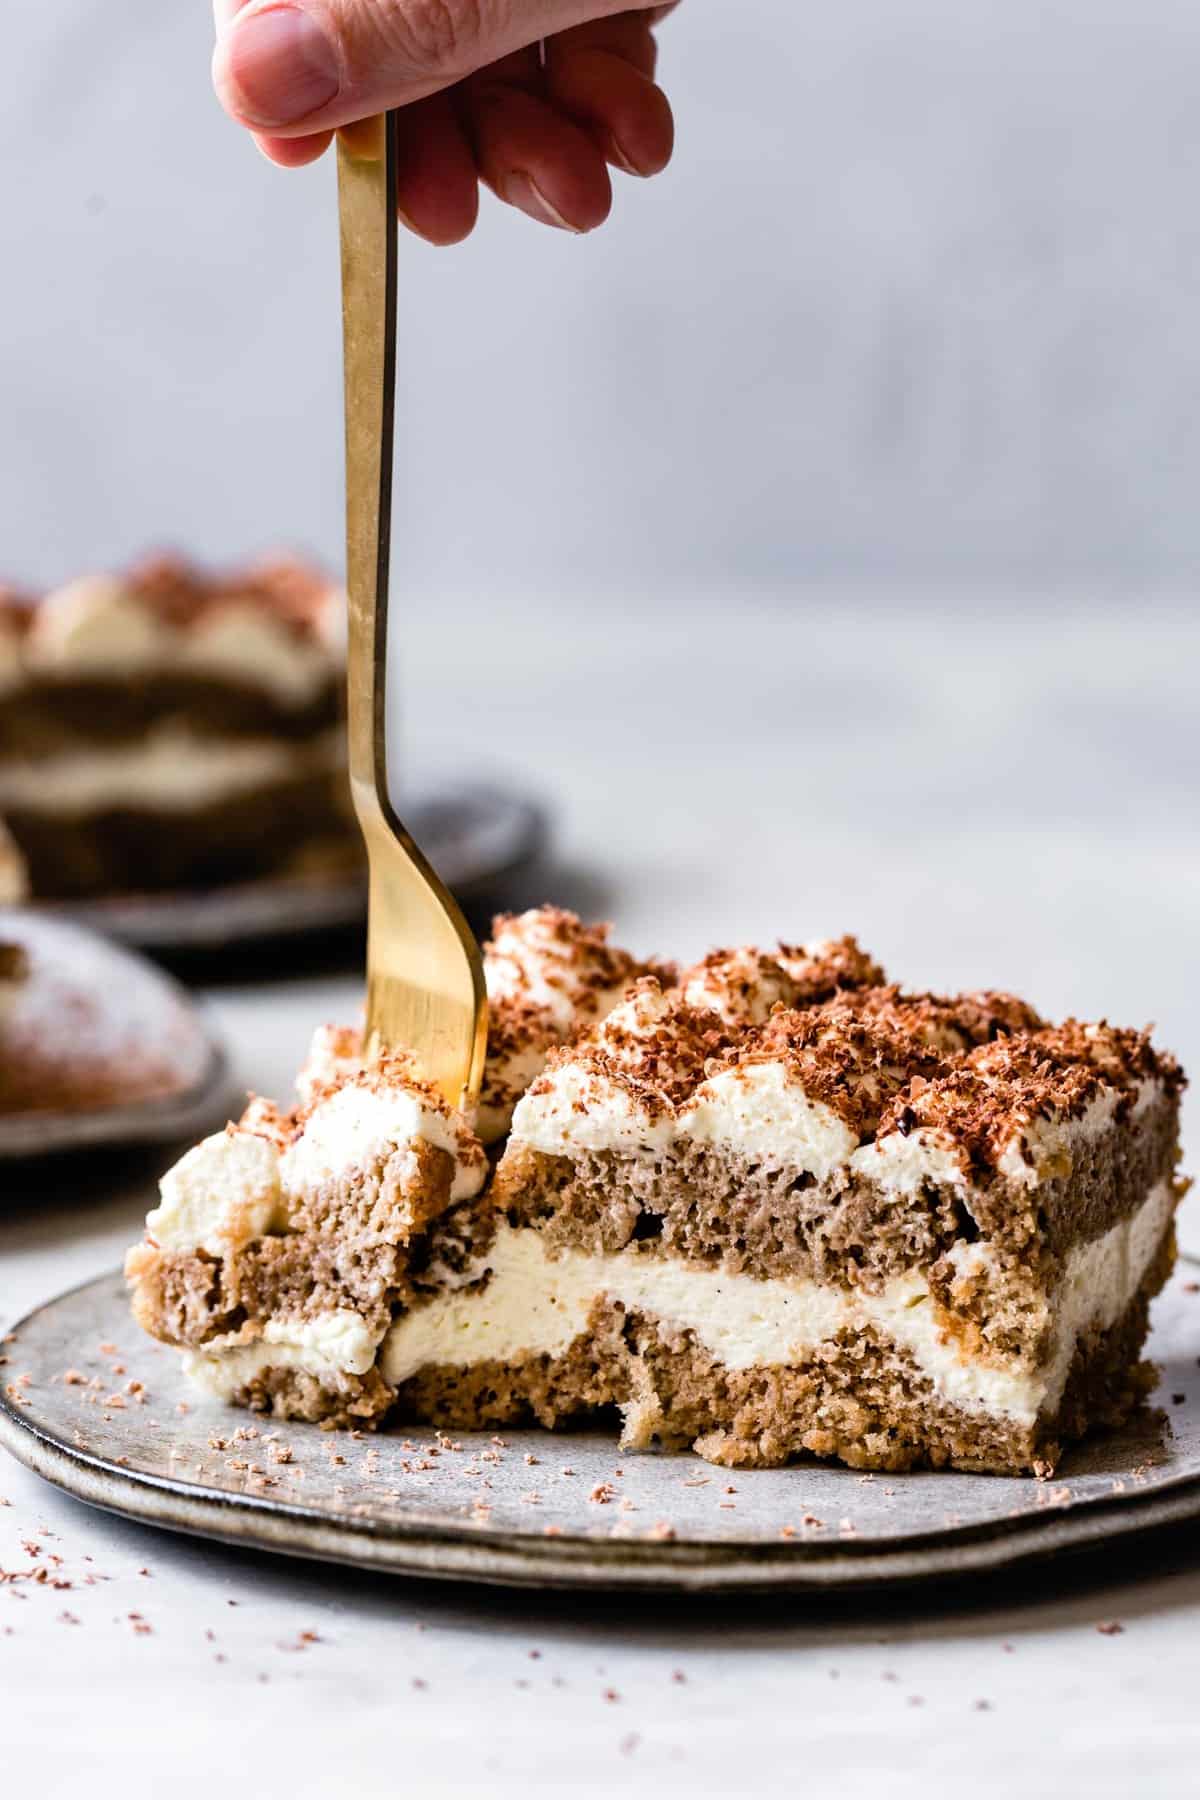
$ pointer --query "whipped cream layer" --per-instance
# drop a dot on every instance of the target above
(548, 960)
(741, 985)
(548, 976)
(223, 1194)
(171, 770)
(97, 626)
(536, 1305)
(240, 1184)
(329, 1348)
(361, 1127)
(604, 1098)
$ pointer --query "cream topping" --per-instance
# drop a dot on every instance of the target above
(547, 959)
(509, 1074)
(241, 642)
(575, 1112)
(903, 1162)
(334, 1055)
(761, 1113)
(222, 1195)
(1045, 1148)
(360, 1126)
(97, 625)
(740, 986)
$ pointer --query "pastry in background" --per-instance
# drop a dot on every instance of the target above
(167, 728)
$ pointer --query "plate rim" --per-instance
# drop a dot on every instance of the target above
(460, 1550)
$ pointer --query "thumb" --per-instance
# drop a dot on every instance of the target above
(298, 66)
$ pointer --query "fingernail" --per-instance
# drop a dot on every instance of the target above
(521, 191)
(280, 65)
(617, 155)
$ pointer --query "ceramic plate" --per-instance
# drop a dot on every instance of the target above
(474, 835)
(99, 1047)
(568, 1510)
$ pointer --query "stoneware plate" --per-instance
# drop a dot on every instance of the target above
(474, 835)
(104, 1413)
(99, 1048)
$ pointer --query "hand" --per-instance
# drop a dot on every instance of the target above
(478, 105)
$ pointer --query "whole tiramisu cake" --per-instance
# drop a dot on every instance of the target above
(165, 728)
(767, 1208)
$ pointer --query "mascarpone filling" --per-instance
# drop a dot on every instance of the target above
(537, 1305)
(172, 770)
(330, 1348)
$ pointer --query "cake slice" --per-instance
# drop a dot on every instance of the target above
(772, 1208)
(167, 728)
(284, 1245)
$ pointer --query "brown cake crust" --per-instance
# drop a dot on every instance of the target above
(71, 714)
(277, 827)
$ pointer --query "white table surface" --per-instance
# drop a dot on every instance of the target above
(1001, 793)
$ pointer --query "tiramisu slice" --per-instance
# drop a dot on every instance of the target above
(249, 1211)
(777, 1208)
(164, 728)
(283, 1247)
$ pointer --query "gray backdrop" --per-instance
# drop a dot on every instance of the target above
(920, 300)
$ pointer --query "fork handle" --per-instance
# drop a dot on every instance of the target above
(367, 217)
(425, 983)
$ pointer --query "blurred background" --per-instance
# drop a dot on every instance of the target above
(820, 537)
(917, 301)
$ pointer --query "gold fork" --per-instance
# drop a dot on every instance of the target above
(425, 987)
